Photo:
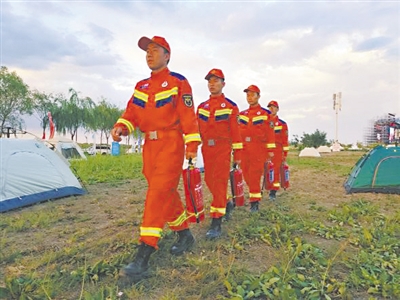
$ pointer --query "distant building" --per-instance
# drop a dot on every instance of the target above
(383, 130)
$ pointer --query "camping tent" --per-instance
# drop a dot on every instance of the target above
(324, 149)
(30, 172)
(309, 152)
(376, 171)
(354, 147)
(66, 147)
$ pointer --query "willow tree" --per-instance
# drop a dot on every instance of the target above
(43, 104)
(14, 100)
(106, 114)
(72, 113)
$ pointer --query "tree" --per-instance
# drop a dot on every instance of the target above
(315, 139)
(106, 114)
(42, 104)
(72, 113)
(14, 100)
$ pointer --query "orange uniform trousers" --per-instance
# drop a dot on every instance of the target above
(253, 159)
(217, 162)
(162, 167)
(277, 160)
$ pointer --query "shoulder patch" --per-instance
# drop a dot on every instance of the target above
(177, 75)
(230, 101)
(188, 100)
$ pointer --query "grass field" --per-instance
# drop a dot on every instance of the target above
(314, 242)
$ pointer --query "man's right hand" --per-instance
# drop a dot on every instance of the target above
(116, 134)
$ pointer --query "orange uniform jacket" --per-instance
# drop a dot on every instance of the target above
(162, 107)
(257, 131)
(219, 129)
(281, 150)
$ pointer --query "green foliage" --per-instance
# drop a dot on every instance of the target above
(108, 168)
(316, 139)
(14, 100)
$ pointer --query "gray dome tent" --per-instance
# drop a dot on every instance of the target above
(31, 172)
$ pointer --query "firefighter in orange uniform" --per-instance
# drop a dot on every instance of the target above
(257, 132)
(162, 107)
(219, 130)
(282, 146)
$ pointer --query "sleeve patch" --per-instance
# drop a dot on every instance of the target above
(188, 100)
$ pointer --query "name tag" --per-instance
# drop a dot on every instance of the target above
(211, 142)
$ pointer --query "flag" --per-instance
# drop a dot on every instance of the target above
(51, 125)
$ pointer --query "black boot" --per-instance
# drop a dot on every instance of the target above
(254, 206)
(229, 210)
(184, 242)
(215, 229)
(272, 195)
(138, 268)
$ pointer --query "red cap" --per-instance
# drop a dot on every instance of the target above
(252, 88)
(145, 41)
(215, 72)
(273, 103)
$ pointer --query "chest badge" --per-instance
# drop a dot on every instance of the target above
(164, 84)
(258, 113)
(223, 104)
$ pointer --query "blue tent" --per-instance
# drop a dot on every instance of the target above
(30, 172)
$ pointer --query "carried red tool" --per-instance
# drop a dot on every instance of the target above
(193, 193)
(237, 185)
(284, 175)
(269, 175)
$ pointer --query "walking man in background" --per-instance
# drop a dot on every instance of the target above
(282, 146)
(162, 107)
(257, 132)
(219, 130)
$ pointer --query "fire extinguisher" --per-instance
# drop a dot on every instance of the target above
(284, 175)
(237, 185)
(193, 193)
(269, 175)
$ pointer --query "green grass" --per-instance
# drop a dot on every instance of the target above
(315, 242)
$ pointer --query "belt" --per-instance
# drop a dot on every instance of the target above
(249, 139)
(162, 134)
(213, 142)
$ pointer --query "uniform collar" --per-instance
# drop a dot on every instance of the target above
(258, 106)
(160, 74)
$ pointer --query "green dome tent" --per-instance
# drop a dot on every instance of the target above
(377, 171)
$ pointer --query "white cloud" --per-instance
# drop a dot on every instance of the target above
(297, 53)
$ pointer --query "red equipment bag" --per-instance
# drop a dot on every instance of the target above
(237, 185)
(269, 175)
(193, 193)
(285, 176)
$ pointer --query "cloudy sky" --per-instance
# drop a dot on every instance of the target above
(298, 52)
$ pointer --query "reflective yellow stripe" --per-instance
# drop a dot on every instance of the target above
(286, 148)
(150, 231)
(178, 220)
(140, 95)
(271, 146)
(193, 137)
(278, 127)
(255, 195)
(195, 215)
(204, 112)
(126, 123)
(166, 94)
(226, 111)
(277, 185)
(237, 146)
(259, 118)
(244, 118)
(218, 210)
